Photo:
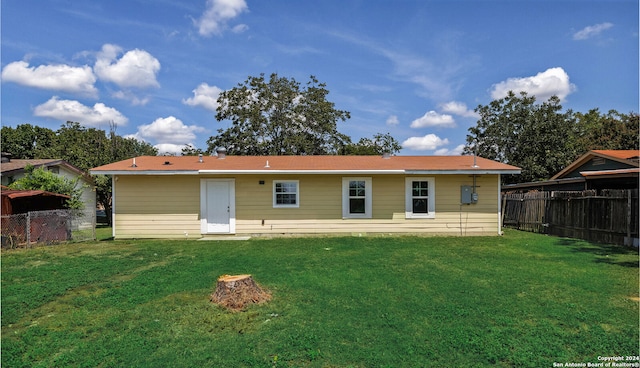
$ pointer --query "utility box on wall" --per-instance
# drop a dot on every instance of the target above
(467, 195)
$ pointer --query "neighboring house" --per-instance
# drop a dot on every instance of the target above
(597, 169)
(13, 169)
(191, 197)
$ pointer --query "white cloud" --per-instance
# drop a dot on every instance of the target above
(168, 131)
(553, 81)
(434, 80)
(392, 120)
(433, 119)
(169, 148)
(127, 95)
(136, 68)
(240, 28)
(218, 13)
(433, 75)
(591, 31)
(457, 151)
(205, 96)
(426, 143)
(458, 108)
(69, 110)
(52, 77)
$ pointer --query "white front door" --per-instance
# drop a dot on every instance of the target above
(217, 206)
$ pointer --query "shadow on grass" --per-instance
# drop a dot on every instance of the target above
(103, 232)
(606, 253)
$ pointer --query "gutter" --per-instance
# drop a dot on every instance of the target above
(144, 172)
(306, 172)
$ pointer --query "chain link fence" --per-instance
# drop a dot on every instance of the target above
(47, 227)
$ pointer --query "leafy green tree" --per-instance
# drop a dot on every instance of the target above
(82, 147)
(610, 131)
(379, 145)
(190, 150)
(539, 138)
(278, 116)
(26, 141)
(41, 179)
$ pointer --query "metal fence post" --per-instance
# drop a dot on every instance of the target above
(28, 229)
(629, 241)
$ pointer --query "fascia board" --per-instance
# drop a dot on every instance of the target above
(308, 172)
(300, 172)
(461, 172)
(143, 172)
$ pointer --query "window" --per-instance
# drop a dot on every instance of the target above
(286, 193)
(356, 197)
(420, 198)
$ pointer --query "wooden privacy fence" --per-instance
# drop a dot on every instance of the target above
(605, 216)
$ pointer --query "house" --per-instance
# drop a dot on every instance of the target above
(13, 169)
(597, 169)
(192, 197)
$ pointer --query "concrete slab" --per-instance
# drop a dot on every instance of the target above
(223, 237)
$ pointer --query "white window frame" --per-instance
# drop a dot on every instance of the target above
(297, 193)
(368, 198)
(431, 198)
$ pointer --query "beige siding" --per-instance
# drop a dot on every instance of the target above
(169, 206)
(320, 198)
(321, 210)
(157, 206)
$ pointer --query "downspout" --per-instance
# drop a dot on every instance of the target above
(113, 205)
(499, 205)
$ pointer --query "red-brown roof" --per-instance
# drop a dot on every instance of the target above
(14, 193)
(622, 154)
(618, 172)
(304, 164)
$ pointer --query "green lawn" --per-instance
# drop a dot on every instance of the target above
(522, 300)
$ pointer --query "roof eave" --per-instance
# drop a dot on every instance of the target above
(143, 172)
(305, 172)
(464, 172)
(543, 183)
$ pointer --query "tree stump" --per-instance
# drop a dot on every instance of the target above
(235, 292)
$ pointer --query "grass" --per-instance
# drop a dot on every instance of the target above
(518, 300)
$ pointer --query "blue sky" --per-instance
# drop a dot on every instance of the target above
(414, 69)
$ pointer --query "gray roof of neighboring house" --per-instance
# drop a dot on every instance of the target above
(16, 166)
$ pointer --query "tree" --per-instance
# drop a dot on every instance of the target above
(539, 138)
(607, 131)
(379, 145)
(191, 150)
(26, 141)
(82, 147)
(278, 117)
(41, 179)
